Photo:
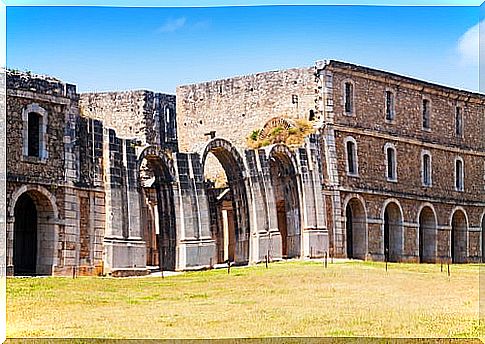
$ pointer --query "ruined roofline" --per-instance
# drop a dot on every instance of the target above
(399, 78)
(28, 74)
(25, 81)
(246, 76)
(135, 91)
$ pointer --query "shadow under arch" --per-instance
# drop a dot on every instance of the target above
(156, 176)
(231, 235)
(34, 231)
(392, 219)
(356, 228)
(427, 234)
(459, 236)
(283, 171)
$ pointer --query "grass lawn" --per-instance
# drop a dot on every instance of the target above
(288, 299)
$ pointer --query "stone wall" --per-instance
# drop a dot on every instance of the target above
(368, 126)
(234, 107)
(147, 116)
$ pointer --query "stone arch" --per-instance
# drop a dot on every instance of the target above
(356, 235)
(236, 226)
(427, 233)
(157, 211)
(286, 189)
(32, 233)
(274, 123)
(459, 235)
(392, 229)
(155, 153)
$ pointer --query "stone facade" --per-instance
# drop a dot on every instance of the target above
(235, 107)
(116, 182)
(373, 133)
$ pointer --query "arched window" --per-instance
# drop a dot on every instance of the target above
(391, 164)
(459, 174)
(426, 169)
(34, 120)
(351, 153)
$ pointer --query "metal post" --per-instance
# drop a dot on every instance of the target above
(448, 269)
(311, 252)
(266, 261)
(74, 272)
(386, 256)
(228, 266)
(325, 259)
(210, 264)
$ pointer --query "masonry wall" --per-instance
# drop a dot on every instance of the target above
(147, 116)
(368, 126)
(370, 129)
(49, 95)
(234, 107)
(65, 182)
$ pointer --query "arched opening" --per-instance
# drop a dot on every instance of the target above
(221, 208)
(458, 249)
(25, 236)
(158, 211)
(355, 229)
(285, 188)
(227, 198)
(393, 232)
(427, 235)
(34, 235)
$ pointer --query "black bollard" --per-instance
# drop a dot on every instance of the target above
(73, 272)
(325, 259)
(441, 268)
(228, 266)
(210, 264)
(448, 269)
(266, 261)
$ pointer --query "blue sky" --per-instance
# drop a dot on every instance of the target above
(106, 48)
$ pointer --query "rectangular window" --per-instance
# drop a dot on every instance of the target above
(389, 106)
(459, 175)
(350, 157)
(458, 122)
(426, 170)
(33, 135)
(390, 164)
(348, 97)
(426, 114)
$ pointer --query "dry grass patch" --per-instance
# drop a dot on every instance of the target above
(288, 299)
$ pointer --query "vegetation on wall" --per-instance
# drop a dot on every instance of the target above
(293, 136)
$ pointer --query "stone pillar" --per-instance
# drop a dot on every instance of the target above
(195, 246)
(125, 250)
(314, 231)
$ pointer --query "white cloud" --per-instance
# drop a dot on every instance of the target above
(172, 25)
(468, 44)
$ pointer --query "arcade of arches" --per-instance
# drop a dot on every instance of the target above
(186, 220)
